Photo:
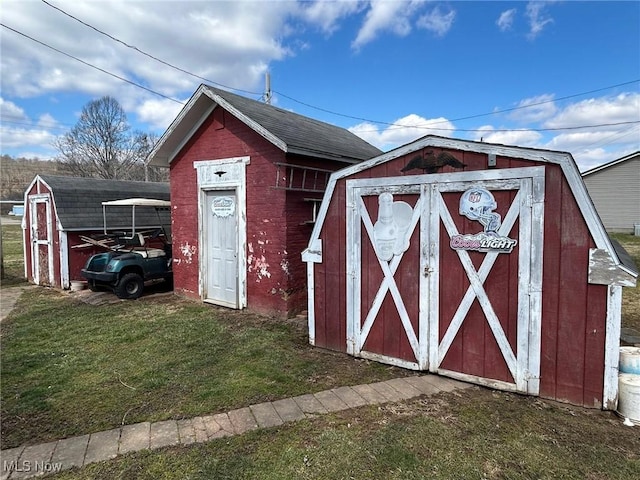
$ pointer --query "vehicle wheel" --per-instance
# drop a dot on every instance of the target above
(130, 286)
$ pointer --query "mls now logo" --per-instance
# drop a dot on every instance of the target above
(27, 466)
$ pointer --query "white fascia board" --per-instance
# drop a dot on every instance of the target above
(23, 223)
(153, 158)
(610, 164)
(51, 194)
(588, 210)
(323, 155)
(259, 129)
(185, 138)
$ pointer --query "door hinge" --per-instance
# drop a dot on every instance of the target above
(529, 376)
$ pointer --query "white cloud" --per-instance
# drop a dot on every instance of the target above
(403, 130)
(583, 140)
(595, 111)
(437, 22)
(538, 19)
(535, 109)
(592, 157)
(47, 121)
(520, 137)
(239, 44)
(9, 111)
(327, 14)
(386, 15)
(25, 137)
(506, 19)
(226, 42)
(19, 131)
(158, 113)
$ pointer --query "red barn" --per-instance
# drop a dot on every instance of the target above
(246, 178)
(59, 210)
(485, 263)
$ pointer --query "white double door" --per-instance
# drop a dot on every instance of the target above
(441, 303)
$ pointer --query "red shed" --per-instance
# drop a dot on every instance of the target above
(485, 263)
(59, 210)
(246, 178)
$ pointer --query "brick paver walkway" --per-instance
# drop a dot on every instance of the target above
(33, 460)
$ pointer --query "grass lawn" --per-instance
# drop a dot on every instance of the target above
(470, 434)
(13, 258)
(70, 368)
(631, 296)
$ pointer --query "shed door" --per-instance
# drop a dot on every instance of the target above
(41, 240)
(221, 248)
(457, 288)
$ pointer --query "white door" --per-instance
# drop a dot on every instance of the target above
(457, 289)
(221, 248)
(41, 240)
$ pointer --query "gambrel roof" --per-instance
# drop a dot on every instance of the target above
(290, 132)
(621, 269)
(78, 201)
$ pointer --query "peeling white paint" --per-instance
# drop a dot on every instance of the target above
(284, 264)
(187, 251)
(256, 260)
(262, 268)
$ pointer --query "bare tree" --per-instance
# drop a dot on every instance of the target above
(102, 144)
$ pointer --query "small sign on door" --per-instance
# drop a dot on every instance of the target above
(223, 206)
(478, 204)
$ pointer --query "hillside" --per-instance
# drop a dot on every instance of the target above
(17, 173)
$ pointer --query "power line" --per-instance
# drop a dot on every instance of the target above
(555, 129)
(495, 112)
(612, 138)
(92, 66)
(133, 47)
(396, 125)
(59, 126)
(469, 117)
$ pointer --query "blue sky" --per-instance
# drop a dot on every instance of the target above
(556, 75)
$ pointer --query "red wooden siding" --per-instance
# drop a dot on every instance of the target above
(330, 288)
(79, 256)
(223, 136)
(573, 311)
(276, 236)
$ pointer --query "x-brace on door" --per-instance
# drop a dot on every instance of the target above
(445, 274)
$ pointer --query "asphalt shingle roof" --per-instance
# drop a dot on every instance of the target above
(78, 202)
(291, 132)
(300, 133)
